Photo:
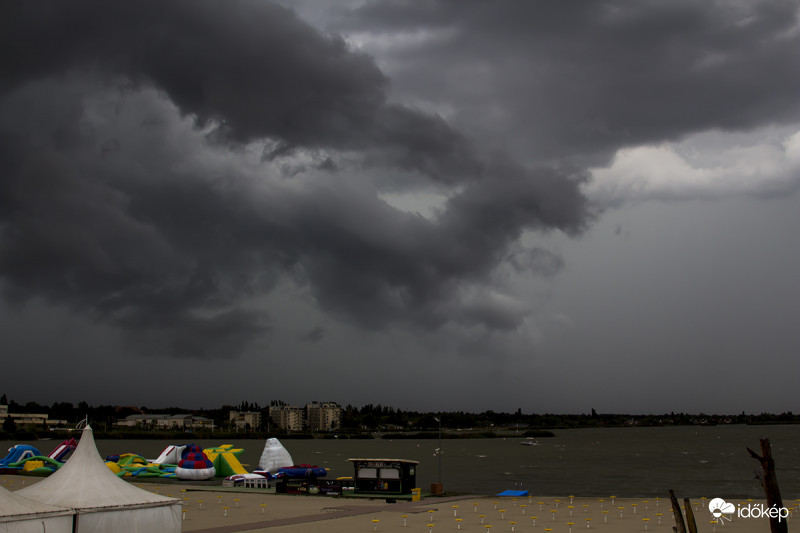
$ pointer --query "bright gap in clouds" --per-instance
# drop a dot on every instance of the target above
(426, 204)
(710, 165)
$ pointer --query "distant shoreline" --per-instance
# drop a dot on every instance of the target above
(429, 434)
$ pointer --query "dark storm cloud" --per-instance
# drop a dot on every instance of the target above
(254, 68)
(554, 79)
(367, 260)
(119, 235)
(114, 206)
(252, 65)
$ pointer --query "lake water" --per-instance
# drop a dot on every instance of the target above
(695, 461)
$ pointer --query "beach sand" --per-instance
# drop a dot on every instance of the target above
(205, 512)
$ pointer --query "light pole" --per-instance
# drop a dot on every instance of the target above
(440, 452)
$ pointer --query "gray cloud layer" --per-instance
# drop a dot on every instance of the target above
(130, 193)
(581, 81)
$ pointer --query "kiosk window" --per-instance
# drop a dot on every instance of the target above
(389, 473)
(368, 472)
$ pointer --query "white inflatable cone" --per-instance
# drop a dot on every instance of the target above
(274, 456)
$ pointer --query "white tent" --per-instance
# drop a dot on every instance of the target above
(103, 501)
(21, 515)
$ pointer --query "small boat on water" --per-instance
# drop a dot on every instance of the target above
(529, 442)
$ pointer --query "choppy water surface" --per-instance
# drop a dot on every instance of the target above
(694, 461)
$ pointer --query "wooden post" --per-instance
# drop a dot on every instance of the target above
(680, 526)
(690, 522)
(770, 484)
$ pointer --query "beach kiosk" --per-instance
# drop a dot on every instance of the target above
(384, 476)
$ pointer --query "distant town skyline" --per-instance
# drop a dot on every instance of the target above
(440, 205)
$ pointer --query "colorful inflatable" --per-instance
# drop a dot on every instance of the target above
(27, 459)
(17, 454)
(301, 471)
(133, 465)
(170, 455)
(37, 465)
(194, 465)
(225, 459)
(61, 451)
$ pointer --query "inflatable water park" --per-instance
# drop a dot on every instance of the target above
(276, 469)
(25, 459)
(187, 462)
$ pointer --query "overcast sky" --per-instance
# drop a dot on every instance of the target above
(435, 205)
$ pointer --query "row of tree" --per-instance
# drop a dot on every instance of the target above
(377, 417)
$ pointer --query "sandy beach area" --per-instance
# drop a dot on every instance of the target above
(218, 511)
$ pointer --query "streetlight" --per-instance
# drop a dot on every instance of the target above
(439, 453)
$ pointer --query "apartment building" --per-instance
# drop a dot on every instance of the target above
(245, 419)
(288, 417)
(323, 416)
